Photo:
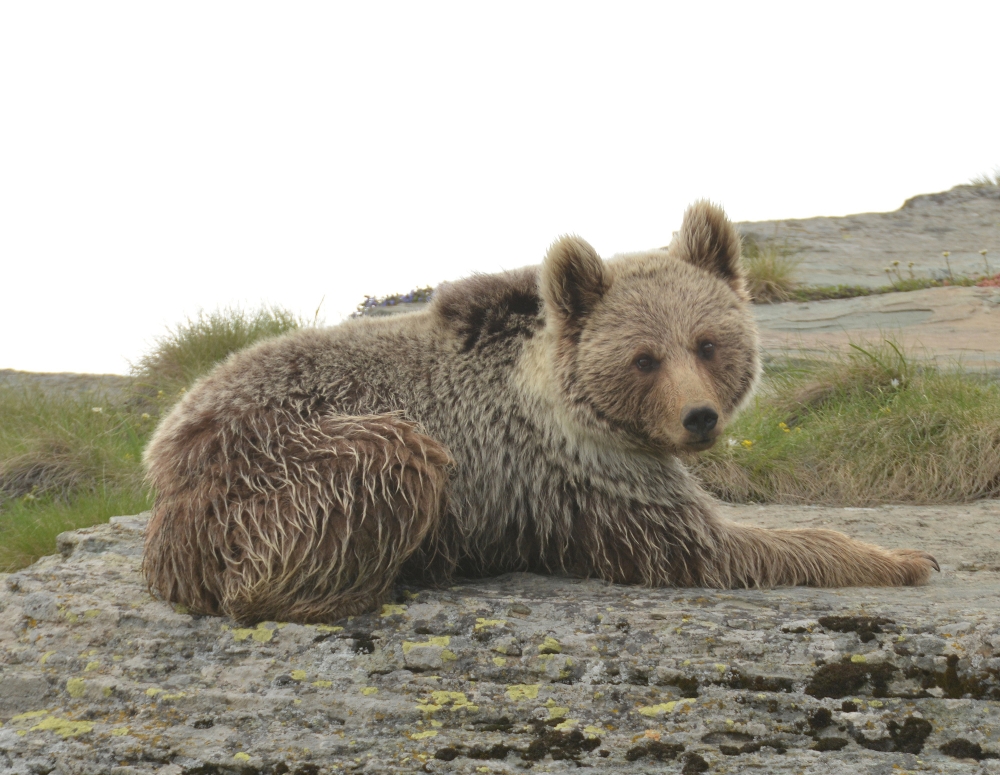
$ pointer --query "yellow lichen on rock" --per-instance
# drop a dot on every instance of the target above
(442, 699)
(663, 708)
(29, 715)
(550, 646)
(63, 727)
(523, 691)
(441, 640)
(260, 633)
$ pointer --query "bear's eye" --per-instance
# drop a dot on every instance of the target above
(646, 363)
(706, 350)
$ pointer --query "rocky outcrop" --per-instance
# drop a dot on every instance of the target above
(514, 673)
(856, 249)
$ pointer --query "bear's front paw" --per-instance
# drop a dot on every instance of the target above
(915, 564)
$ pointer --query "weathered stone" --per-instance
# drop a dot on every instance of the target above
(517, 672)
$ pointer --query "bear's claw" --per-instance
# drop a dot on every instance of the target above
(924, 556)
(917, 562)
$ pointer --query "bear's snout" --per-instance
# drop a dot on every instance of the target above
(700, 421)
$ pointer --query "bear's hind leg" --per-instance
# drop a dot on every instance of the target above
(310, 522)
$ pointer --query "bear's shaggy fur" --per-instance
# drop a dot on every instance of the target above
(529, 420)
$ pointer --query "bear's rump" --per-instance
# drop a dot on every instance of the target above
(295, 516)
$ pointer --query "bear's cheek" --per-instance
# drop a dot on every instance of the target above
(735, 375)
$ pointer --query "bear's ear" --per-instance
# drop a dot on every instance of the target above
(573, 279)
(708, 240)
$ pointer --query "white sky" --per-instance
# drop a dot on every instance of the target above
(161, 158)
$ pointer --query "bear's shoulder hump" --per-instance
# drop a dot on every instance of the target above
(482, 307)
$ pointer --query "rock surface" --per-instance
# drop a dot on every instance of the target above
(946, 326)
(856, 249)
(517, 672)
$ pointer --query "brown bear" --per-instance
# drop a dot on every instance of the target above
(526, 421)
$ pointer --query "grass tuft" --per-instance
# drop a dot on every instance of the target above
(987, 179)
(192, 348)
(861, 429)
(769, 270)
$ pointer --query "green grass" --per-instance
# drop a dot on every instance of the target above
(902, 285)
(69, 461)
(66, 461)
(29, 530)
(861, 429)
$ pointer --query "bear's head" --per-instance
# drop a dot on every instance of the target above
(658, 349)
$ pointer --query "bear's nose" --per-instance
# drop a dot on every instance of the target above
(701, 420)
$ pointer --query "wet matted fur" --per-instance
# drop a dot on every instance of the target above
(529, 420)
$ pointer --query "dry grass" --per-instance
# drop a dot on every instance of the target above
(190, 349)
(863, 429)
(769, 271)
(987, 179)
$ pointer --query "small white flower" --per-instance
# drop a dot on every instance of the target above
(731, 442)
(894, 383)
(97, 409)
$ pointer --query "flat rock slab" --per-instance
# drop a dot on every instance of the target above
(517, 672)
(945, 326)
(63, 383)
(856, 249)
